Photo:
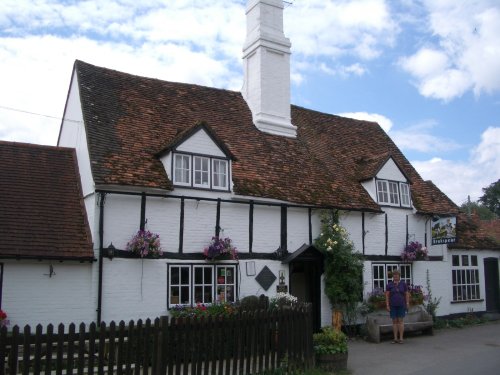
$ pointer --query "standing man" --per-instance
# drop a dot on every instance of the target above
(397, 301)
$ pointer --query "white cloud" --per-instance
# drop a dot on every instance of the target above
(458, 179)
(466, 55)
(419, 138)
(383, 121)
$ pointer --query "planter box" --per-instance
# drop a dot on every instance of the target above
(332, 362)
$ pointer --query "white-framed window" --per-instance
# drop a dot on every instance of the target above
(179, 285)
(382, 273)
(182, 169)
(405, 194)
(203, 284)
(382, 191)
(393, 193)
(220, 168)
(191, 284)
(465, 278)
(226, 283)
(201, 169)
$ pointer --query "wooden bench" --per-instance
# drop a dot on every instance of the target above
(379, 323)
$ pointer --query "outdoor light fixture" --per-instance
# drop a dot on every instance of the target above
(111, 251)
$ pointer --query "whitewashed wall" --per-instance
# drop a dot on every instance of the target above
(31, 296)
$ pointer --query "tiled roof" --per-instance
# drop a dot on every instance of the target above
(474, 234)
(42, 214)
(129, 119)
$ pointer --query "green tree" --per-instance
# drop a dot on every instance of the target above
(343, 266)
(483, 212)
(491, 197)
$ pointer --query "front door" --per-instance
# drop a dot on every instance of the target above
(305, 284)
(492, 284)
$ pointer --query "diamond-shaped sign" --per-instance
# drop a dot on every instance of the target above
(266, 278)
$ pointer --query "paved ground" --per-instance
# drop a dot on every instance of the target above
(471, 350)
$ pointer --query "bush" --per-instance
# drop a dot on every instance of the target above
(329, 341)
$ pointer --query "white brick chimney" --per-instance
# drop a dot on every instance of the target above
(266, 59)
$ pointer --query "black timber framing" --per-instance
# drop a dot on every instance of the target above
(251, 203)
(142, 224)
(386, 234)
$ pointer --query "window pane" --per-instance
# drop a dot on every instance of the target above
(220, 173)
(393, 192)
(181, 169)
(208, 276)
(383, 196)
(185, 294)
(174, 275)
(473, 260)
(198, 275)
(465, 260)
(185, 276)
(455, 260)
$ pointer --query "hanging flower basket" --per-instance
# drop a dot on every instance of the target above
(414, 251)
(145, 244)
(220, 249)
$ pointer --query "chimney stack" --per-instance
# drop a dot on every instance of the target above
(266, 57)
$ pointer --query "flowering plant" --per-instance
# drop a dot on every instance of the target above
(416, 294)
(219, 247)
(282, 299)
(214, 309)
(414, 251)
(145, 243)
(376, 299)
(3, 319)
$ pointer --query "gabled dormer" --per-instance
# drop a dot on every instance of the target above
(197, 159)
(388, 184)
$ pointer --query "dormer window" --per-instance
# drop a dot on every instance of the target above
(393, 193)
(205, 172)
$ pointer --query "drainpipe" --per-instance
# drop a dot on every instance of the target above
(100, 203)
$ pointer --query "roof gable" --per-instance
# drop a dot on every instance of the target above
(200, 136)
(42, 215)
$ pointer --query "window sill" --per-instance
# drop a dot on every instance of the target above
(468, 301)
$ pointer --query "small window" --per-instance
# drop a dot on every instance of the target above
(203, 284)
(180, 279)
(191, 284)
(182, 169)
(382, 191)
(220, 174)
(393, 193)
(226, 284)
(405, 194)
(201, 172)
(382, 274)
(465, 278)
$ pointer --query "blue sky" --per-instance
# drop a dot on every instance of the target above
(427, 71)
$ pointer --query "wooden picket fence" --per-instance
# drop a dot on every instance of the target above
(241, 344)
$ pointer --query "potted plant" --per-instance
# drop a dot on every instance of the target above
(416, 295)
(220, 248)
(414, 251)
(144, 243)
(330, 349)
(376, 299)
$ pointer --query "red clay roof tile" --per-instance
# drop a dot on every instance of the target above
(129, 119)
(42, 213)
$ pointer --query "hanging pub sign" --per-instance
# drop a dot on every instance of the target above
(444, 230)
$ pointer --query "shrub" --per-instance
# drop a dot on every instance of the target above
(329, 341)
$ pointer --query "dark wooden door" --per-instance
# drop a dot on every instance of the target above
(492, 284)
